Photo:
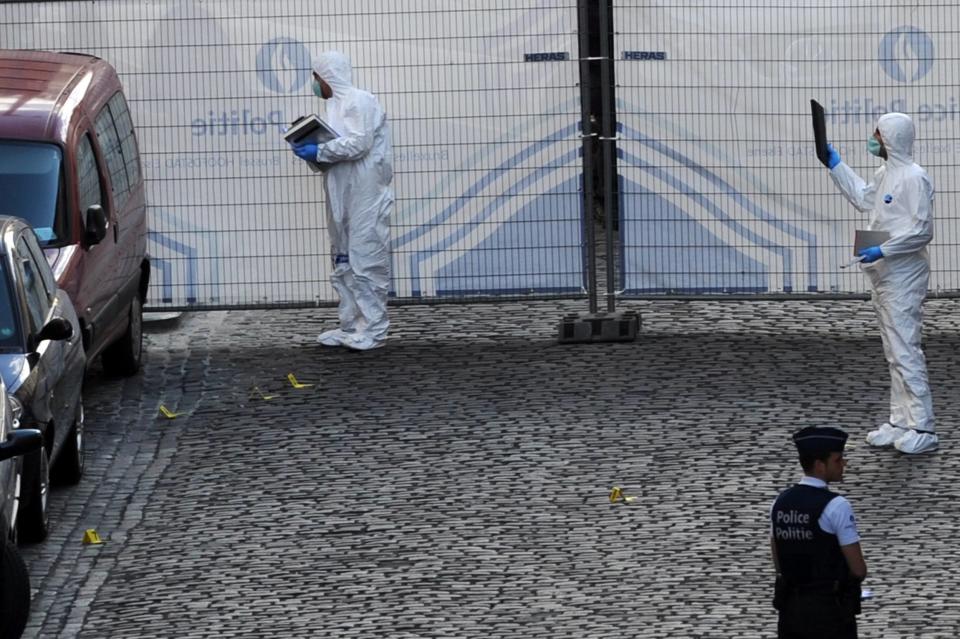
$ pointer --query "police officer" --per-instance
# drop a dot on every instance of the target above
(816, 545)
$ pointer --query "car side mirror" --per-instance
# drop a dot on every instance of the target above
(95, 225)
(56, 329)
(21, 442)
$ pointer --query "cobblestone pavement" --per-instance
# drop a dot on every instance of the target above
(455, 483)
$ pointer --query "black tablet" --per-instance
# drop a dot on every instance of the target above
(820, 132)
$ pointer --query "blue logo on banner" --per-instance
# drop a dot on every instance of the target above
(906, 54)
(283, 65)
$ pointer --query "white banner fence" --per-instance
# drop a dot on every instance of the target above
(721, 191)
(483, 102)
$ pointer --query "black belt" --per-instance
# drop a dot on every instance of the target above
(815, 588)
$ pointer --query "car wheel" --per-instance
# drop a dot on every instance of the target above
(69, 466)
(33, 522)
(123, 356)
(15, 593)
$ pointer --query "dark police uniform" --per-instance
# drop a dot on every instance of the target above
(816, 596)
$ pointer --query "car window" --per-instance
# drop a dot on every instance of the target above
(9, 335)
(30, 182)
(110, 145)
(42, 266)
(128, 140)
(88, 174)
(38, 299)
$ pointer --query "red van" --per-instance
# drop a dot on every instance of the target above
(70, 166)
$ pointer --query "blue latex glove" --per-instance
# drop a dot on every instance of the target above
(306, 151)
(834, 158)
(870, 254)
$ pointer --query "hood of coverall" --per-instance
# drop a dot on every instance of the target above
(335, 69)
(898, 132)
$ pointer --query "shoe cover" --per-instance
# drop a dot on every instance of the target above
(915, 442)
(886, 435)
(335, 337)
(363, 342)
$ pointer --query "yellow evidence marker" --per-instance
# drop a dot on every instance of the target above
(256, 389)
(293, 382)
(91, 537)
(166, 412)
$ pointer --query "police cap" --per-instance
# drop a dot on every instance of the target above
(819, 439)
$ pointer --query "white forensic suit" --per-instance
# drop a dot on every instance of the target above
(899, 200)
(359, 204)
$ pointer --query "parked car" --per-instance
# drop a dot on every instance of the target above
(70, 166)
(42, 364)
(14, 579)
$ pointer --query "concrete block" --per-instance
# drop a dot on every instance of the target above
(621, 326)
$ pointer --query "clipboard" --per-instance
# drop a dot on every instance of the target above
(865, 239)
(820, 132)
(310, 128)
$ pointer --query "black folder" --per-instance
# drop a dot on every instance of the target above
(820, 132)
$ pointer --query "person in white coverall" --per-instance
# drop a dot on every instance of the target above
(359, 202)
(899, 200)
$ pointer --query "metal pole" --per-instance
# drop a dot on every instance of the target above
(608, 148)
(587, 148)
